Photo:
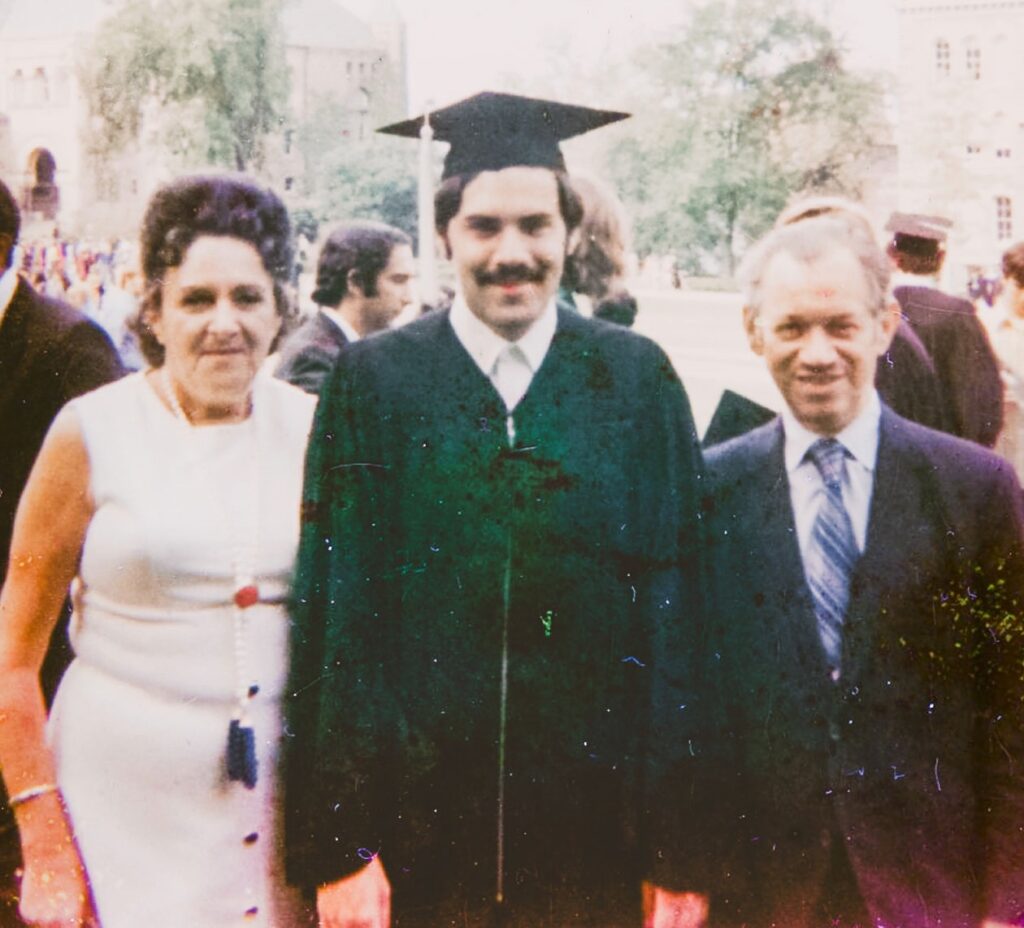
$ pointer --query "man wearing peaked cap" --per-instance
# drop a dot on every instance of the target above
(972, 390)
(499, 530)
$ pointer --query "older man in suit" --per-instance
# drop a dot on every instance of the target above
(865, 725)
(363, 282)
(49, 353)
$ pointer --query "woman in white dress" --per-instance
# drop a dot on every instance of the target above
(170, 501)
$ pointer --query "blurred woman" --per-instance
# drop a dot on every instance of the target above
(1006, 331)
(171, 501)
(595, 267)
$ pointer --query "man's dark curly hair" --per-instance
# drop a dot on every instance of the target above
(363, 247)
(191, 207)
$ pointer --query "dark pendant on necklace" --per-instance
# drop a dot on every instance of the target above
(241, 754)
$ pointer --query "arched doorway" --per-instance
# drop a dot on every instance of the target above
(42, 195)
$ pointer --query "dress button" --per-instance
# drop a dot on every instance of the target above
(253, 690)
(252, 913)
(252, 837)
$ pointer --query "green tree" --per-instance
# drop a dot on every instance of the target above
(752, 105)
(208, 76)
(352, 173)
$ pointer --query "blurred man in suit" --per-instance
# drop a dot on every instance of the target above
(49, 353)
(363, 281)
(865, 723)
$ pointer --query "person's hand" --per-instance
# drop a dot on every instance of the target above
(362, 900)
(54, 888)
(666, 909)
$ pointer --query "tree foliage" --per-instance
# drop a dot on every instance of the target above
(208, 77)
(751, 103)
(354, 173)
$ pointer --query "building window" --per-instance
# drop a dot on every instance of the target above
(1003, 153)
(942, 56)
(974, 149)
(1004, 218)
(62, 88)
(39, 93)
(974, 62)
(18, 88)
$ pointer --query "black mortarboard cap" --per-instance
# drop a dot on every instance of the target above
(491, 131)
(917, 225)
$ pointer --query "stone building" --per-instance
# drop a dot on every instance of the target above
(960, 131)
(356, 63)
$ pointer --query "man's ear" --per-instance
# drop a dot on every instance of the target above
(6, 250)
(890, 322)
(353, 284)
(572, 240)
(752, 325)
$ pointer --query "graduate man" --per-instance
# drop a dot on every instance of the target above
(499, 515)
(948, 326)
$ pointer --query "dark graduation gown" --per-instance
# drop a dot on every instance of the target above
(473, 623)
(972, 388)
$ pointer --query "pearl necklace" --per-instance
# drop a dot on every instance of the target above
(241, 751)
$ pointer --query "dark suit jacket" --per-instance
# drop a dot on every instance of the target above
(49, 353)
(967, 367)
(309, 353)
(915, 758)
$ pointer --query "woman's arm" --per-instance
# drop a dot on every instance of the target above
(49, 531)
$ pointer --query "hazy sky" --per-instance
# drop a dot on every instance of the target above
(457, 47)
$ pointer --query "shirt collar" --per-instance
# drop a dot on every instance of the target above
(860, 437)
(905, 279)
(484, 344)
(341, 322)
(8, 284)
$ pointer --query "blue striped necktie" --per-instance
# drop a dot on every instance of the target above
(832, 553)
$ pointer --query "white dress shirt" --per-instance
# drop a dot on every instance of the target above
(341, 322)
(490, 352)
(8, 284)
(807, 489)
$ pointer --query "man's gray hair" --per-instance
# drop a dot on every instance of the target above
(808, 241)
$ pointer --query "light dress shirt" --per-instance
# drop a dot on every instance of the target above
(807, 489)
(8, 284)
(490, 351)
(341, 322)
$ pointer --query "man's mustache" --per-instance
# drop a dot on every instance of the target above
(513, 274)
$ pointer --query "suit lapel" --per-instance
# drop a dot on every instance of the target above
(893, 522)
(328, 332)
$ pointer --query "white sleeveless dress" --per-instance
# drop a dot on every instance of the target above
(139, 725)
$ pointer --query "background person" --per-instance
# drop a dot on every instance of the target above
(49, 353)
(363, 282)
(171, 499)
(1006, 331)
(949, 328)
(595, 266)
